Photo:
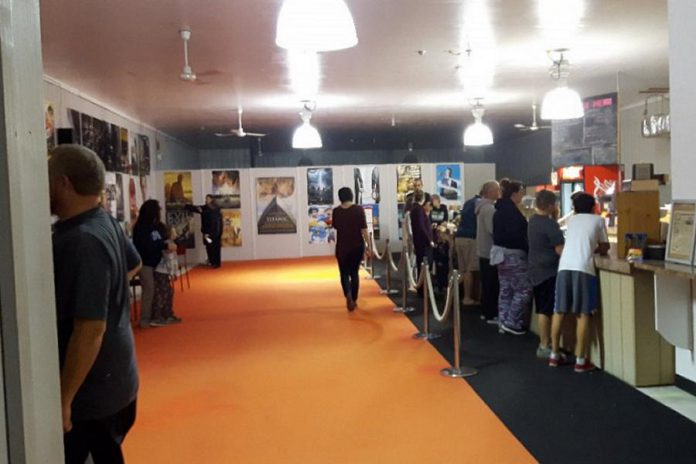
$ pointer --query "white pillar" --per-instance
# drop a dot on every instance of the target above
(29, 341)
(682, 75)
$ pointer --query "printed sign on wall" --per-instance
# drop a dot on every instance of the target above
(406, 175)
(231, 228)
(178, 192)
(225, 189)
(449, 183)
(367, 193)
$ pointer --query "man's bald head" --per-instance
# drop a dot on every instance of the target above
(81, 166)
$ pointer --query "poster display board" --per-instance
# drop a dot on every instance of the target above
(366, 184)
(275, 205)
(682, 232)
(178, 193)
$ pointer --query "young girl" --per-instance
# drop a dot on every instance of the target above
(162, 308)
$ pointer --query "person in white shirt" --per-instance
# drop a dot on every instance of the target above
(576, 285)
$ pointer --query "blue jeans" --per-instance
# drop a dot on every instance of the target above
(349, 267)
(516, 291)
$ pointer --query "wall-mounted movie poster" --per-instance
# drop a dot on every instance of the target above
(320, 186)
(109, 202)
(88, 133)
(178, 187)
(276, 205)
(231, 228)
(372, 218)
(76, 122)
(144, 154)
(113, 149)
(366, 185)
(400, 217)
(449, 183)
(406, 175)
(225, 189)
(132, 200)
(320, 230)
(50, 126)
(120, 202)
(134, 153)
(123, 156)
(143, 188)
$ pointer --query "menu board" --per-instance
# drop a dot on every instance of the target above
(682, 232)
(590, 140)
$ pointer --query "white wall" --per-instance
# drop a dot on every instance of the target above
(255, 246)
(682, 71)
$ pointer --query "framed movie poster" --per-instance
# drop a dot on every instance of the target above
(682, 232)
(449, 183)
(231, 228)
(225, 189)
(320, 186)
(406, 175)
(276, 205)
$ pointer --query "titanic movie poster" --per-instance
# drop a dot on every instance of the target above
(231, 228)
(225, 189)
(449, 183)
(320, 231)
(178, 193)
(367, 193)
(406, 175)
(276, 205)
(320, 186)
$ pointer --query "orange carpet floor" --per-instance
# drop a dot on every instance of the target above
(269, 367)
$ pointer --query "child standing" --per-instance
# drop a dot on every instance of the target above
(163, 303)
(545, 247)
(441, 256)
(576, 286)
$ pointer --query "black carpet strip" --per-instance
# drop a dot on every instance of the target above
(558, 415)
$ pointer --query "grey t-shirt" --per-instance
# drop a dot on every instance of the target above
(91, 259)
(544, 236)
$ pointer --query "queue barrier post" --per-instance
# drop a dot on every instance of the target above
(404, 308)
(425, 334)
(457, 370)
(387, 258)
(371, 261)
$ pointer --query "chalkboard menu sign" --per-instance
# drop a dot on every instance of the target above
(590, 140)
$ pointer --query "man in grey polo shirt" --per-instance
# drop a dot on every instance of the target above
(93, 262)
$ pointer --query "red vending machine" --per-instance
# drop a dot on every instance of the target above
(600, 181)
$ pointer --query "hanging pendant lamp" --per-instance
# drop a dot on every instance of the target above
(561, 102)
(306, 136)
(315, 25)
(478, 134)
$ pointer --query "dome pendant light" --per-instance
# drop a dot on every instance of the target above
(478, 134)
(306, 136)
(315, 25)
(561, 102)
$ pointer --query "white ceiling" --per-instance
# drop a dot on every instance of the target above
(128, 54)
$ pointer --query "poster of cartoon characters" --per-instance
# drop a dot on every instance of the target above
(320, 230)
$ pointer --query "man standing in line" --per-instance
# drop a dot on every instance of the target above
(490, 287)
(418, 187)
(93, 262)
(211, 227)
(465, 246)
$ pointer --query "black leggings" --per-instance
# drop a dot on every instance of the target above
(349, 266)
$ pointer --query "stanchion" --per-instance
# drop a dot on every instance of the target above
(387, 259)
(370, 263)
(425, 334)
(457, 370)
(404, 308)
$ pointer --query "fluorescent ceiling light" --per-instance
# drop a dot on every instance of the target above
(315, 25)
(478, 133)
(306, 136)
(562, 103)
(304, 73)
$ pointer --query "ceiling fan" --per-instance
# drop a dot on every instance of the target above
(187, 73)
(239, 132)
(534, 127)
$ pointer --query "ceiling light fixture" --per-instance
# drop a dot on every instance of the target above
(478, 134)
(304, 73)
(315, 25)
(561, 102)
(306, 136)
